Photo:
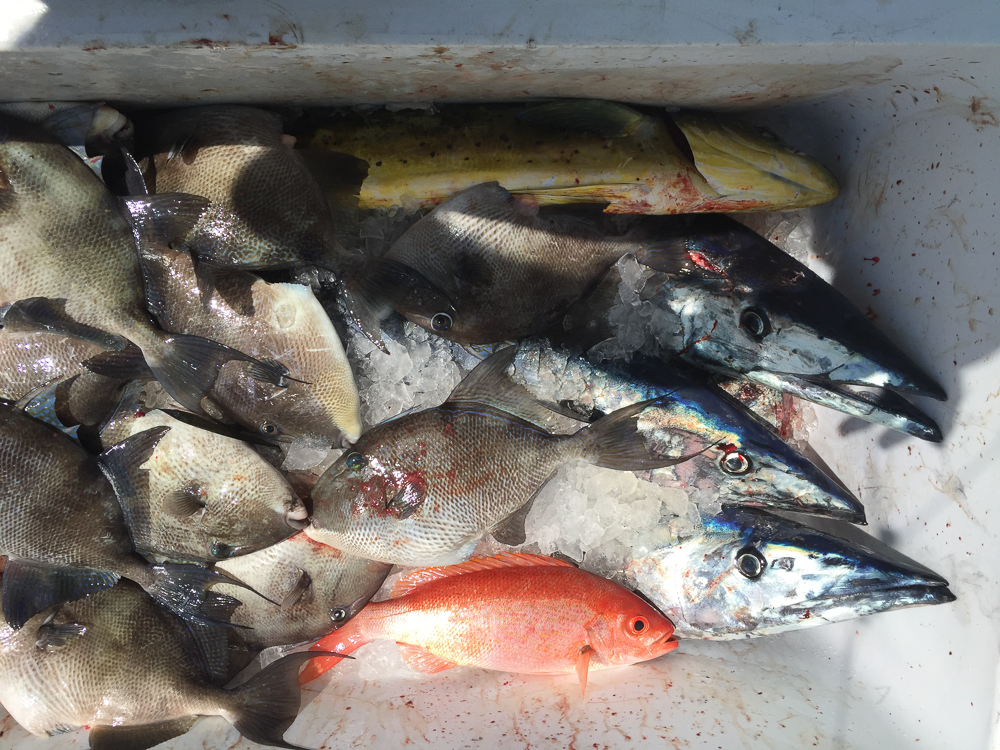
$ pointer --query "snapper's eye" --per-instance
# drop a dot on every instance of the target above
(638, 625)
(355, 461)
(750, 562)
(754, 321)
(442, 322)
(268, 429)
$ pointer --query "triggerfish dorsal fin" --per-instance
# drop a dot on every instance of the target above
(420, 660)
(418, 578)
(489, 384)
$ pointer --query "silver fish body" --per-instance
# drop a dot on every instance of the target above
(750, 573)
(125, 668)
(318, 588)
(747, 463)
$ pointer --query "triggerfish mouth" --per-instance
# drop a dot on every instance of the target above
(742, 307)
(750, 573)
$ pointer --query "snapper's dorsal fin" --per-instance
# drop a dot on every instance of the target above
(488, 384)
(415, 580)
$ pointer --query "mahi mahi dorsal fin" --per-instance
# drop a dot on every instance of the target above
(415, 580)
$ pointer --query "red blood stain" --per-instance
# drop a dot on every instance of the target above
(706, 337)
(139, 413)
(702, 262)
(449, 429)
(874, 259)
(875, 292)
(872, 315)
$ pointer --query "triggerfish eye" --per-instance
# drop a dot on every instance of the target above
(441, 322)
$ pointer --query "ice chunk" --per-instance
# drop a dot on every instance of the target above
(305, 452)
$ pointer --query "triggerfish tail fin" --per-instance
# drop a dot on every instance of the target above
(265, 706)
(583, 667)
(340, 643)
(187, 366)
(615, 441)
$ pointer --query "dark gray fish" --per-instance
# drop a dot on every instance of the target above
(63, 529)
(265, 208)
(421, 489)
(68, 263)
(129, 671)
(749, 573)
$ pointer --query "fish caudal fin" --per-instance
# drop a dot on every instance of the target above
(138, 737)
(28, 589)
(266, 705)
(187, 366)
(615, 441)
(342, 641)
(373, 291)
(183, 589)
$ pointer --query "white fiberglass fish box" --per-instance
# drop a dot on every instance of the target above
(899, 100)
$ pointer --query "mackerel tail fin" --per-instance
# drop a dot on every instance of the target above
(187, 366)
(263, 708)
(374, 290)
(615, 441)
(342, 642)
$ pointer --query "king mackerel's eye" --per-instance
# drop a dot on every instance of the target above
(750, 562)
(754, 321)
(735, 463)
(442, 322)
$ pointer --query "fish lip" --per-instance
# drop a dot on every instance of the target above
(846, 508)
(930, 593)
(298, 524)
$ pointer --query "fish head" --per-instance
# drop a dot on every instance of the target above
(749, 573)
(628, 630)
(746, 306)
(319, 396)
(745, 463)
(217, 497)
(356, 489)
(433, 311)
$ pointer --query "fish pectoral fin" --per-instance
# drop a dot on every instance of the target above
(407, 500)
(52, 636)
(135, 181)
(472, 271)
(583, 667)
(28, 589)
(301, 585)
(184, 502)
(138, 737)
(607, 119)
(421, 660)
(226, 430)
(121, 464)
(183, 589)
(49, 316)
